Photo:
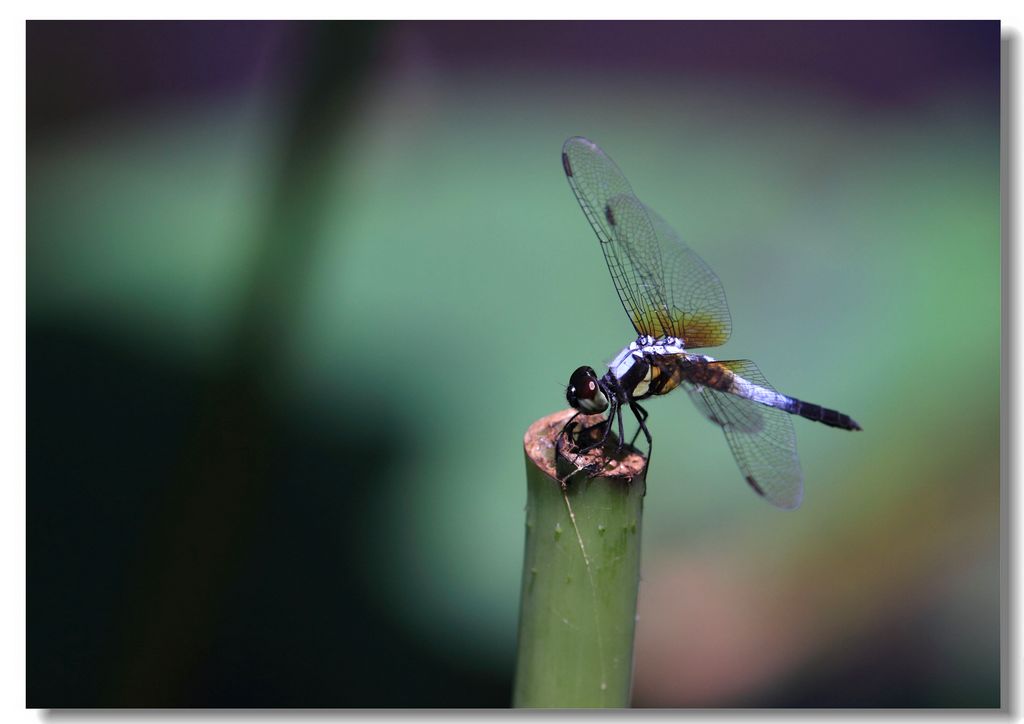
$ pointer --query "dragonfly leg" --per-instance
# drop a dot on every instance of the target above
(606, 423)
(585, 431)
(568, 433)
(618, 416)
(641, 418)
(565, 432)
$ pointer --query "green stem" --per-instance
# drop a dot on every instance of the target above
(581, 573)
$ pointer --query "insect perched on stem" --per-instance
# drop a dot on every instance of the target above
(677, 305)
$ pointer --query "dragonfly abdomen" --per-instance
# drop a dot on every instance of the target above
(807, 410)
(700, 370)
(716, 376)
(832, 418)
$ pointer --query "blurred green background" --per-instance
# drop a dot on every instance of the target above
(296, 290)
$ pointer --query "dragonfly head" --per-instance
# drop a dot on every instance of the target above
(584, 392)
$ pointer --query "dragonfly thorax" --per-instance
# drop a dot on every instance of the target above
(644, 347)
(634, 370)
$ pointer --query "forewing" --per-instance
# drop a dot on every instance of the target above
(696, 299)
(762, 439)
(665, 287)
(637, 244)
(596, 181)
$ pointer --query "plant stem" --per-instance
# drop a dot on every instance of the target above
(581, 573)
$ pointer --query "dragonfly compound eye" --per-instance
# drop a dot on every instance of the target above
(584, 392)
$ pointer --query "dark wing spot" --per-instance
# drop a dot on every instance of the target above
(757, 488)
(609, 215)
(566, 165)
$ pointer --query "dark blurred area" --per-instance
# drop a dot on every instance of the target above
(179, 554)
(202, 535)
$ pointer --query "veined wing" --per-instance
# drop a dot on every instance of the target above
(595, 179)
(761, 438)
(692, 301)
(664, 286)
(699, 311)
(750, 421)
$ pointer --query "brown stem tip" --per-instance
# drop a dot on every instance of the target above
(608, 461)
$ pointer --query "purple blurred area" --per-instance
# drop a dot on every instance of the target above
(886, 63)
(76, 69)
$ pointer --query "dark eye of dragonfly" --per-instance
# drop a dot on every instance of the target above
(584, 392)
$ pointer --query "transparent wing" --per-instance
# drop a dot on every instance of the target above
(699, 310)
(761, 438)
(750, 422)
(690, 301)
(595, 179)
(664, 286)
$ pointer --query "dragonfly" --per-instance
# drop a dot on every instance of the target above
(677, 304)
